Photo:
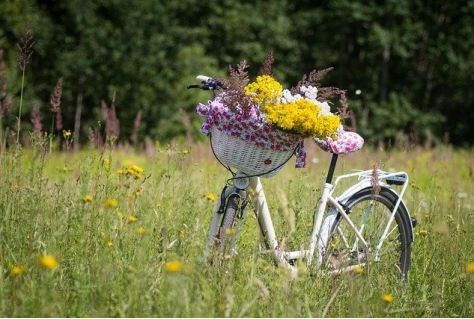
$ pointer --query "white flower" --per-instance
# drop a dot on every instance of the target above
(325, 108)
(309, 92)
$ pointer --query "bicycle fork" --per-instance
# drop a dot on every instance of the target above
(230, 196)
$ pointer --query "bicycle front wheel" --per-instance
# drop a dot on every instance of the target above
(231, 225)
(388, 246)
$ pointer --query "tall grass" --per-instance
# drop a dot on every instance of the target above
(129, 242)
(109, 232)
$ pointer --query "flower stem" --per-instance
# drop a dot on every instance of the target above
(19, 112)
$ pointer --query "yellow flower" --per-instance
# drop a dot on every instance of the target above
(173, 266)
(109, 244)
(138, 191)
(88, 199)
(132, 219)
(110, 203)
(301, 117)
(422, 232)
(185, 151)
(211, 197)
(387, 298)
(265, 89)
(135, 171)
(18, 270)
(470, 267)
(119, 171)
(359, 270)
(48, 261)
(67, 133)
(141, 231)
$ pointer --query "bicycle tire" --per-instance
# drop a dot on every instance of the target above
(395, 254)
(228, 232)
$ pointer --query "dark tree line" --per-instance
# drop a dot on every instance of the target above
(407, 65)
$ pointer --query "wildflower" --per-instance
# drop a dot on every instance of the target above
(18, 270)
(67, 133)
(173, 266)
(132, 219)
(138, 191)
(211, 197)
(109, 244)
(265, 89)
(142, 231)
(135, 171)
(118, 214)
(110, 203)
(119, 171)
(421, 232)
(55, 102)
(358, 270)
(387, 298)
(470, 267)
(48, 261)
(185, 151)
(299, 111)
(87, 199)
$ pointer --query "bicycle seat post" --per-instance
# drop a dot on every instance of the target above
(332, 168)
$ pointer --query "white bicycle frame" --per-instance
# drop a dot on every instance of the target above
(321, 228)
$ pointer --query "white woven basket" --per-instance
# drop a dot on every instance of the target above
(246, 156)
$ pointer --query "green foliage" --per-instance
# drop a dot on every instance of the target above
(406, 57)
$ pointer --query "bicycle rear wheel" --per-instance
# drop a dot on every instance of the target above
(370, 213)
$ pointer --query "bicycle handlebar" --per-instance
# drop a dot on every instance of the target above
(208, 83)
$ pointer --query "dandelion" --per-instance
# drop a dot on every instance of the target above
(48, 261)
(173, 266)
(88, 199)
(132, 219)
(387, 298)
(470, 267)
(211, 197)
(110, 203)
(18, 270)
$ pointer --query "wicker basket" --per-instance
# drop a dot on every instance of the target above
(246, 156)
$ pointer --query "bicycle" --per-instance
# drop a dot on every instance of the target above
(367, 223)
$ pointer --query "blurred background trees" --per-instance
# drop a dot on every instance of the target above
(407, 66)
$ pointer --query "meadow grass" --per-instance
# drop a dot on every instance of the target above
(116, 233)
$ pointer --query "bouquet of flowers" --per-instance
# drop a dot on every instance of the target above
(269, 117)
